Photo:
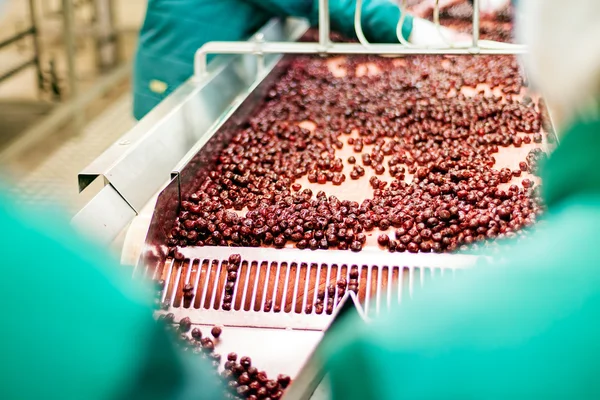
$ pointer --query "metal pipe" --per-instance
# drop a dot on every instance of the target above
(324, 23)
(8, 41)
(17, 69)
(69, 40)
(63, 113)
(36, 43)
(200, 64)
(106, 37)
(399, 33)
(358, 24)
(476, 24)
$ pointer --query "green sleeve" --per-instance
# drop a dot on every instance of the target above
(523, 330)
(379, 17)
(75, 327)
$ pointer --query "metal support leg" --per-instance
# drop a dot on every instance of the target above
(324, 24)
(36, 43)
(106, 41)
(476, 25)
(69, 40)
(259, 39)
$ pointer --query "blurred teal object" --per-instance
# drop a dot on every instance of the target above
(525, 329)
(174, 30)
(74, 324)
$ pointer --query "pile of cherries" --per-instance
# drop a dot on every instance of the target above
(241, 380)
(410, 121)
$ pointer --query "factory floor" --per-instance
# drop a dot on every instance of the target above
(44, 168)
(54, 180)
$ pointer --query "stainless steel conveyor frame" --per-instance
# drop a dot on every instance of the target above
(159, 153)
(136, 167)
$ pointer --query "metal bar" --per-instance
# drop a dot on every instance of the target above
(265, 289)
(358, 24)
(68, 24)
(275, 286)
(62, 113)
(16, 37)
(235, 289)
(389, 286)
(16, 69)
(200, 66)
(285, 286)
(400, 283)
(36, 42)
(324, 24)
(167, 281)
(306, 288)
(106, 45)
(246, 284)
(176, 284)
(316, 288)
(411, 280)
(196, 281)
(296, 286)
(254, 292)
(368, 293)
(213, 298)
(399, 34)
(206, 279)
(476, 24)
(327, 283)
(378, 288)
(69, 40)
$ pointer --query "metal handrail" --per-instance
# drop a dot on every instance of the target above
(32, 32)
(325, 46)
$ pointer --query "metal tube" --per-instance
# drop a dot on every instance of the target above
(106, 43)
(476, 25)
(69, 39)
(400, 25)
(36, 43)
(324, 23)
(17, 69)
(200, 66)
(16, 37)
(358, 24)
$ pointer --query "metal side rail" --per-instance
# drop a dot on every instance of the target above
(141, 161)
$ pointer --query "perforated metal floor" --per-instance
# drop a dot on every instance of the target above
(55, 180)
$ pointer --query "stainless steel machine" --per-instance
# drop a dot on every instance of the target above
(152, 167)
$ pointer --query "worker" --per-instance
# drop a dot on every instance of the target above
(75, 326)
(174, 30)
(525, 327)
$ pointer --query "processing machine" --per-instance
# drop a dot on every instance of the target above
(274, 307)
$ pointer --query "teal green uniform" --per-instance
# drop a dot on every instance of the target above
(76, 327)
(525, 329)
(174, 30)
